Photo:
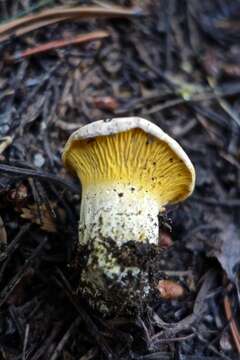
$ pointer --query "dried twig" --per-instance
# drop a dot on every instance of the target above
(232, 322)
(44, 176)
(41, 48)
(25, 341)
(12, 247)
(3, 240)
(58, 14)
(5, 142)
(58, 350)
(28, 29)
(92, 328)
(223, 103)
(20, 274)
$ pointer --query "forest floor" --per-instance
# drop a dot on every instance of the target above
(176, 63)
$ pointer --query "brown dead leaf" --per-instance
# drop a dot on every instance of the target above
(231, 69)
(165, 240)
(170, 290)
(40, 215)
(18, 195)
(106, 103)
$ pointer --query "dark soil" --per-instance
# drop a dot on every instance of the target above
(178, 65)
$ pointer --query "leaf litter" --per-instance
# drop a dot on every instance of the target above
(171, 63)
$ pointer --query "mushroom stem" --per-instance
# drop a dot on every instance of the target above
(120, 212)
(114, 219)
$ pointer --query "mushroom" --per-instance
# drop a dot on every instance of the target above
(129, 170)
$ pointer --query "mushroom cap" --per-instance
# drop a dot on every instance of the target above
(131, 150)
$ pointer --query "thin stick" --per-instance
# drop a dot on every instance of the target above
(232, 322)
(60, 43)
(60, 12)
